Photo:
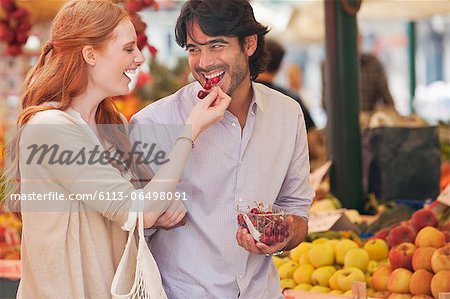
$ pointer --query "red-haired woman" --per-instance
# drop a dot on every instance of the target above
(71, 246)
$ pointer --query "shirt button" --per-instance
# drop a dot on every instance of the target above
(233, 124)
(240, 199)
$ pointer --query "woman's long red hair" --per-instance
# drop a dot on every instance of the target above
(60, 74)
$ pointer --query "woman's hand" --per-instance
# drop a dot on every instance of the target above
(208, 111)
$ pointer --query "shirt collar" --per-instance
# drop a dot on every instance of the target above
(257, 98)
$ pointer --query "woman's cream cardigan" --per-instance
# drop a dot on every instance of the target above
(71, 249)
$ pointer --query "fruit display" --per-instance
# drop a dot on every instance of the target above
(331, 265)
(10, 231)
(420, 268)
(15, 25)
(415, 268)
(267, 224)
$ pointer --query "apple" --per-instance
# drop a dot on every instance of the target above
(421, 296)
(447, 235)
(440, 283)
(336, 292)
(333, 280)
(422, 258)
(400, 234)
(303, 274)
(347, 276)
(299, 250)
(287, 270)
(321, 255)
(440, 261)
(422, 218)
(372, 266)
(319, 289)
(321, 276)
(358, 258)
(399, 281)
(303, 287)
(382, 234)
(377, 249)
(430, 236)
(401, 256)
(420, 282)
(399, 296)
(341, 249)
(380, 278)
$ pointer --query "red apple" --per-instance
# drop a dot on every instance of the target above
(420, 282)
(422, 258)
(440, 261)
(440, 283)
(382, 234)
(401, 256)
(430, 236)
(380, 278)
(422, 218)
(399, 281)
(400, 234)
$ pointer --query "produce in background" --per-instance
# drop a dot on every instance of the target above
(15, 25)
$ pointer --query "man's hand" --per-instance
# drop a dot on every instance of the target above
(297, 232)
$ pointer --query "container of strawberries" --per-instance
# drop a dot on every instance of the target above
(266, 223)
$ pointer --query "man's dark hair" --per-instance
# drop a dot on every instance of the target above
(224, 18)
(276, 54)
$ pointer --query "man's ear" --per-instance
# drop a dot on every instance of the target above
(250, 44)
(89, 55)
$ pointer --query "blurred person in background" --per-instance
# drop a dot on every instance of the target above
(276, 54)
(373, 84)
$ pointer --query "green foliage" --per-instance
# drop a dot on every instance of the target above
(164, 80)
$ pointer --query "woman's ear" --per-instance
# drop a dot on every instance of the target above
(89, 55)
(250, 44)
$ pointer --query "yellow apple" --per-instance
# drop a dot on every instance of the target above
(303, 287)
(299, 250)
(304, 259)
(287, 283)
(347, 276)
(321, 276)
(377, 249)
(321, 255)
(358, 258)
(332, 243)
(341, 249)
(333, 280)
(335, 292)
(372, 266)
(303, 274)
(399, 281)
(287, 270)
(320, 241)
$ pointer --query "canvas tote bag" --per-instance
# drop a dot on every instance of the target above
(137, 276)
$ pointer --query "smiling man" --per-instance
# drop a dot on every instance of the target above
(257, 153)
